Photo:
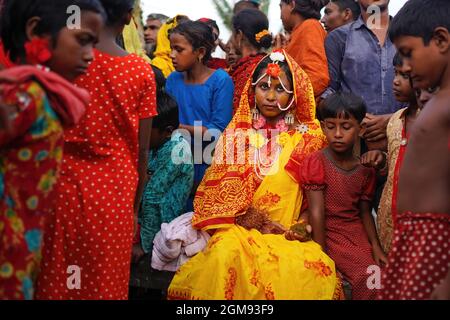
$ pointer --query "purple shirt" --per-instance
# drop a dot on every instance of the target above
(357, 63)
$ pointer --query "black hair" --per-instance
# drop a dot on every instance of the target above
(116, 10)
(211, 23)
(243, 5)
(198, 34)
(308, 9)
(342, 103)
(53, 17)
(167, 113)
(158, 16)
(179, 19)
(419, 18)
(353, 5)
(263, 65)
(398, 60)
(251, 22)
(159, 79)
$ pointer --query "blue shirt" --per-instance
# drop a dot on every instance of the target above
(210, 102)
(357, 63)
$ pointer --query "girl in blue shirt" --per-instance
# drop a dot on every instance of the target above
(204, 95)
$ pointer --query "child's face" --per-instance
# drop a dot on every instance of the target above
(424, 95)
(341, 133)
(270, 97)
(231, 55)
(425, 64)
(333, 17)
(183, 56)
(74, 47)
(402, 86)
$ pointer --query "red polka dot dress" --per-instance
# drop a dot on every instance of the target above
(346, 238)
(87, 247)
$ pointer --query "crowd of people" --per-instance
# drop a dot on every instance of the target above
(310, 164)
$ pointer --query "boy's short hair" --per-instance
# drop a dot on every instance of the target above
(349, 4)
(419, 18)
(342, 103)
(245, 4)
(398, 60)
(167, 113)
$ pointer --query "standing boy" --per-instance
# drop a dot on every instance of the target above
(419, 261)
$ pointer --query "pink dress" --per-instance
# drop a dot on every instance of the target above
(346, 239)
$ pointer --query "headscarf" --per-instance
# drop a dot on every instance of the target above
(227, 190)
(133, 36)
(162, 58)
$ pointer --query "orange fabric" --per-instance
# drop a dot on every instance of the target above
(307, 47)
(227, 190)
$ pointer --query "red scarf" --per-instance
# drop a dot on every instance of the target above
(240, 73)
(68, 101)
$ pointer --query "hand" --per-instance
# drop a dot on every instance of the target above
(375, 127)
(374, 159)
(294, 236)
(279, 41)
(379, 256)
(272, 227)
(137, 253)
(442, 291)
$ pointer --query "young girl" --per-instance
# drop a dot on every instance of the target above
(250, 39)
(40, 103)
(249, 208)
(397, 130)
(339, 191)
(171, 180)
(103, 174)
(204, 96)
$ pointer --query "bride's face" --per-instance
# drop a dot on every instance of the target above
(271, 97)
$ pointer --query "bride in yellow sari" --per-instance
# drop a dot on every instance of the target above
(251, 195)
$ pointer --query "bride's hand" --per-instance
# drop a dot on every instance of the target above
(272, 227)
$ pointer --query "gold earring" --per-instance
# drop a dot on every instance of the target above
(255, 113)
(289, 118)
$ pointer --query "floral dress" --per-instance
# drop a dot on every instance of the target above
(29, 164)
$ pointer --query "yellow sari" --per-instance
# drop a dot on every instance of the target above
(245, 264)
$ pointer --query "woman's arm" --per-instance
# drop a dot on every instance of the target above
(369, 225)
(316, 202)
(145, 129)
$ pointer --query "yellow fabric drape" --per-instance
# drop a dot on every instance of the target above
(133, 34)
